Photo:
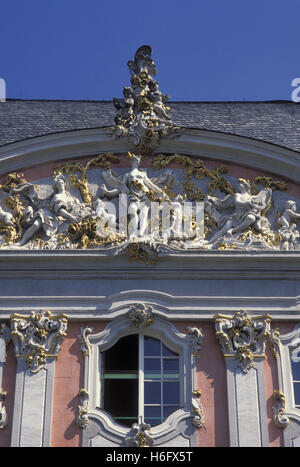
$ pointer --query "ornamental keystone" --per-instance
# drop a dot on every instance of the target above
(141, 315)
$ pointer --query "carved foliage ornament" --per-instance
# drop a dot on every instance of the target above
(242, 337)
(37, 337)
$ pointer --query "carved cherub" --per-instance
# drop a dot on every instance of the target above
(158, 100)
(6, 217)
(288, 229)
(124, 106)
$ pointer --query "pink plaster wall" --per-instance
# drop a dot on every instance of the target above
(211, 380)
(69, 374)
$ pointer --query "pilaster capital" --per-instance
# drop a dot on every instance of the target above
(243, 337)
(37, 336)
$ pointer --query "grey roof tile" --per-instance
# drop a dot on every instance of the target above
(276, 122)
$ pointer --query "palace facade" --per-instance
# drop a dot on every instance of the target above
(150, 271)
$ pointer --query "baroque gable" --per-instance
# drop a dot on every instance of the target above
(141, 198)
(147, 206)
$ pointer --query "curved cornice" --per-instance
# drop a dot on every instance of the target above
(208, 144)
(164, 305)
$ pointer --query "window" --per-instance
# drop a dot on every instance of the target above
(288, 350)
(133, 375)
(141, 380)
(295, 367)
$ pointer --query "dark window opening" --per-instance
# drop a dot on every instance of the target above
(121, 380)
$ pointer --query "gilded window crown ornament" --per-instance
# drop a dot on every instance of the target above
(142, 114)
(141, 315)
(243, 337)
(37, 337)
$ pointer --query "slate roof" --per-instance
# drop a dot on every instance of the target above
(276, 122)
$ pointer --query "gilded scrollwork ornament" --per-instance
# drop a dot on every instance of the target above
(197, 410)
(5, 338)
(243, 337)
(82, 419)
(83, 339)
(196, 336)
(3, 413)
(37, 337)
(141, 315)
(280, 417)
(139, 436)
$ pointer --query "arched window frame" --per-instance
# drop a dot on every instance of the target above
(286, 414)
(287, 343)
(99, 424)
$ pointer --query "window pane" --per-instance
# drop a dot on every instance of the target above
(171, 393)
(152, 394)
(295, 370)
(151, 347)
(297, 393)
(152, 368)
(153, 411)
(171, 368)
(168, 410)
(121, 399)
(123, 355)
(152, 415)
(167, 352)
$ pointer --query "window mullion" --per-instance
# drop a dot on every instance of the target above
(141, 378)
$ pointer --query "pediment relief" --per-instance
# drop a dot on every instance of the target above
(147, 206)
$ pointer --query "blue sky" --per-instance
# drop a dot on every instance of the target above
(205, 50)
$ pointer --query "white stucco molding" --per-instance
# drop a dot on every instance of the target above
(208, 144)
(167, 306)
(182, 265)
(287, 345)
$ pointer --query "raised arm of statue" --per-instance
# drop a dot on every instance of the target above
(149, 184)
